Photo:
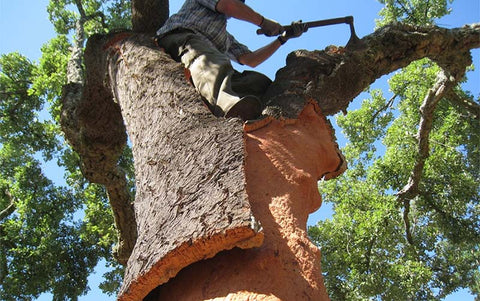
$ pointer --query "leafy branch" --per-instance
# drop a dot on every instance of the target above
(471, 106)
(387, 105)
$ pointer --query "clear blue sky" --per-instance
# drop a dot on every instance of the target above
(24, 27)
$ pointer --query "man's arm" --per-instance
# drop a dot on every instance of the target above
(238, 10)
(258, 56)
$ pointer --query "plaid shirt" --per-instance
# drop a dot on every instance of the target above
(202, 17)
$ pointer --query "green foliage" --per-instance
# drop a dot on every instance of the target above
(39, 240)
(20, 123)
(50, 75)
(365, 252)
(119, 14)
(51, 237)
(100, 15)
(413, 11)
(366, 255)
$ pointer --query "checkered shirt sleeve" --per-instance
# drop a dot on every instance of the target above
(201, 17)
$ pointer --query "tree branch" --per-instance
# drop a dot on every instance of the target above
(335, 76)
(387, 105)
(99, 147)
(471, 106)
(406, 221)
(10, 208)
(443, 85)
(407, 11)
(445, 82)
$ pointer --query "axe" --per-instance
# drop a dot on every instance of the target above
(353, 43)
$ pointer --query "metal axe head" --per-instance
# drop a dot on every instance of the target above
(354, 43)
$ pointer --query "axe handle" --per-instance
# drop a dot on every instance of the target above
(347, 20)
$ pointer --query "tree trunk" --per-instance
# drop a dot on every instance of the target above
(191, 200)
(196, 197)
(285, 159)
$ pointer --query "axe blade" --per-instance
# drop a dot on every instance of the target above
(354, 43)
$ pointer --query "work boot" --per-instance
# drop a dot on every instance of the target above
(247, 108)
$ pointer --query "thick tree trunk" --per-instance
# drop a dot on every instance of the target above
(191, 182)
(191, 200)
(285, 159)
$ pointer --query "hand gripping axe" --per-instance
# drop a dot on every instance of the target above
(354, 43)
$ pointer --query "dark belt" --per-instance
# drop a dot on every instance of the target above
(178, 30)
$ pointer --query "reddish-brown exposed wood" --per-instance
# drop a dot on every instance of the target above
(191, 199)
(285, 159)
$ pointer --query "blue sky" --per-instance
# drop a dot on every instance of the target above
(24, 27)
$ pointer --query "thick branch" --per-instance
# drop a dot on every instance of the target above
(334, 77)
(442, 86)
(96, 132)
(406, 221)
(74, 65)
(94, 127)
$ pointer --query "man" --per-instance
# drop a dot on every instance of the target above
(197, 37)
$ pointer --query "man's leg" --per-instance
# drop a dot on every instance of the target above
(212, 74)
(250, 83)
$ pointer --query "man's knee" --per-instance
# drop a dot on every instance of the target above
(250, 82)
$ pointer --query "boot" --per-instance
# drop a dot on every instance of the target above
(247, 108)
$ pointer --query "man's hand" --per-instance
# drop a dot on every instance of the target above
(295, 30)
(271, 28)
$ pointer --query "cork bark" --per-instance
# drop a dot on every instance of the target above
(194, 194)
(191, 199)
(285, 159)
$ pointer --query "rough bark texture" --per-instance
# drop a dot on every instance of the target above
(443, 85)
(334, 77)
(191, 199)
(285, 160)
(99, 141)
(93, 125)
(149, 15)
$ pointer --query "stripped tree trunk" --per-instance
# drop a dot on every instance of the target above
(206, 185)
(285, 159)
